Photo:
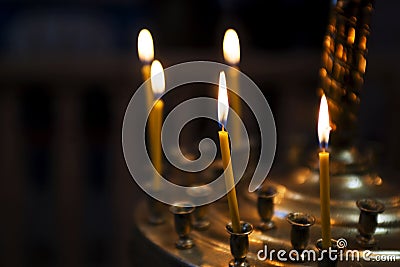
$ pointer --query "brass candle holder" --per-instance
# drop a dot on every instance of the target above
(300, 232)
(156, 211)
(328, 258)
(265, 207)
(353, 170)
(239, 244)
(368, 221)
(200, 193)
(201, 221)
(183, 224)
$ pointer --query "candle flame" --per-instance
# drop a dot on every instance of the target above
(157, 78)
(323, 123)
(231, 47)
(223, 104)
(145, 46)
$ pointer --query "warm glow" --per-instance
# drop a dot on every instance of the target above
(231, 47)
(339, 50)
(223, 104)
(363, 43)
(145, 46)
(351, 36)
(323, 123)
(157, 78)
(362, 63)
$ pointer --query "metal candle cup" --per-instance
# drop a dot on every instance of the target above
(239, 244)
(200, 193)
(201, 221)
(368, 221)
(156, 211)
(183, 224)
(300, 232)
(265, 207)
(327, 261)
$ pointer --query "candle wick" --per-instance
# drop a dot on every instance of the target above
(223, 128)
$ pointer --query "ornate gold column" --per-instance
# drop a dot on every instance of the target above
(343, 66)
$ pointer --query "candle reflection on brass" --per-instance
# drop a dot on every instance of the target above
(339, 51)
(363, 43)
(362, 63)
(351, 35)
(344, 59)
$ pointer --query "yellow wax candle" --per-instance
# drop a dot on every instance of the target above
(323, 135)
(155, 123)
(235, 99)
(223, 108)
(146, 56)
(156, 116)
(229, 181)
(231, 49)
(324, 189)
(148, 92)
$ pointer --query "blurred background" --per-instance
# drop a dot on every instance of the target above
(68, 70)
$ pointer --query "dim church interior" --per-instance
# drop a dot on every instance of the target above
(67, 72)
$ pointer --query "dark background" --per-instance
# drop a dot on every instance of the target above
(69, 68)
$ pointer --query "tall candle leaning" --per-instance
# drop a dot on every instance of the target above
(229, 181)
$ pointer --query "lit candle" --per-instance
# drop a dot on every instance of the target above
(156, 115)
(146, 56)
(324, 184)
(231, 49)
(223, 108)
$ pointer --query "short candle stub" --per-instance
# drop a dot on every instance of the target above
(183, 224)
(300, 232)
(265, 207)
(368, 221)
(239, 244)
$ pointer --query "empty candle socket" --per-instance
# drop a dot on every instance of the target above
(368, 221)
(201, 221)
(300, 232)
(156, 211)
(200, 194)
(265, 207)
(183, 224)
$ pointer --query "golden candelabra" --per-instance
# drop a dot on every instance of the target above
(285, 212)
